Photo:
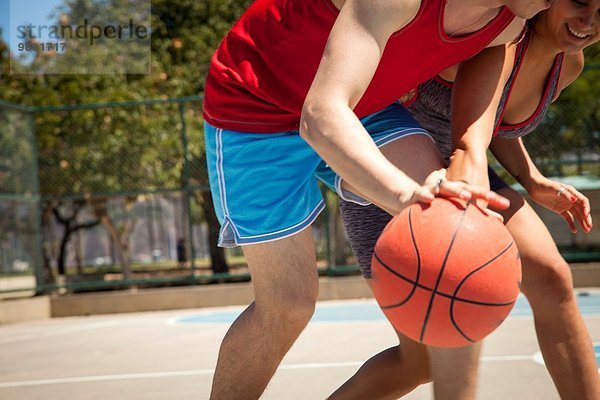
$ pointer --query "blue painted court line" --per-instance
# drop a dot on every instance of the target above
(589, 304)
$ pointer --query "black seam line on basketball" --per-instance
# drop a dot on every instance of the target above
(463, 281)
(416, 282)
(439, 278)
(401, 277)
(414, 243)
(421, 286)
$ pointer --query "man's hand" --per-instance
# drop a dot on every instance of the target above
(436, 184)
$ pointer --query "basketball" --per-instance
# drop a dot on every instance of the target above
(445, 274)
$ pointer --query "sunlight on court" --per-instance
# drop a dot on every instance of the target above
(167, 355)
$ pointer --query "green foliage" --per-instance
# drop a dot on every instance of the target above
(185, 34)
(17, 166)
(134, 148)
(572, 127)
(110, 150)
(139, 148)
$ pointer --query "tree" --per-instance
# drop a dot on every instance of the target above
(70, 226)
(204, 199)
(185, 34)
(94, 152)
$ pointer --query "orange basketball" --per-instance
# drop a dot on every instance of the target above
(445, 274)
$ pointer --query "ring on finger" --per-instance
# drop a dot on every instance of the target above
(439, 183)
(561, 190)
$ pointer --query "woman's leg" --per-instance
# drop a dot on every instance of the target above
(547, 283)
(452, 381)
(398, 370)
(388, 375)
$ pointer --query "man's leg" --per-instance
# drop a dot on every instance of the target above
(548, 285)
(285, 280)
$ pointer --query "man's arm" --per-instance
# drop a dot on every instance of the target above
(328, 123)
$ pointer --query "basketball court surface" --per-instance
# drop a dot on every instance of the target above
(171, 355)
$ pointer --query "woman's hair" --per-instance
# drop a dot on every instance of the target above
(530, 24)
(529, 27)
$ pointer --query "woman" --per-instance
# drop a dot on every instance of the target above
(547, 59)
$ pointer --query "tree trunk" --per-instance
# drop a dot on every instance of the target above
(162, 231)
(149, 205)
(120, 235)
(78, 254)
(120, 239)
(183, 228)
(47, 275)
(70, 227)
(337, 237)
(62, 255)
(126, 257)
(217, 254)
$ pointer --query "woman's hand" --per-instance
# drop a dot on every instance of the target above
(564, 200)
(436, 184)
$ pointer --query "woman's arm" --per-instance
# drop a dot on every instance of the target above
(563, 199)
(514, 157)
(476, 95)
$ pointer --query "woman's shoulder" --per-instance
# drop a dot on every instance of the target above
(572, 66)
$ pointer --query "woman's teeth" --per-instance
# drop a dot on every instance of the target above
(577, 34)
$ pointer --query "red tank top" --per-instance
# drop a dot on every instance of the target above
(260, 74)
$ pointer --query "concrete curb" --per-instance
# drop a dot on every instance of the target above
(22, 310)
(189, 297)
(330, 288)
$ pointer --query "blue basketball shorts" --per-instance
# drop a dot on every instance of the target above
(265, 185)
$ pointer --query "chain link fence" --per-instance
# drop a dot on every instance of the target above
(20, 250)
(116, 195)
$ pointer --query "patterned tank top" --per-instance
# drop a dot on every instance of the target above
(431, 104)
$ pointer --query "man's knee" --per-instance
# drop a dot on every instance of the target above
(299, 313)
(292, 310)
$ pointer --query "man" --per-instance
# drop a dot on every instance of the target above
(298, 84)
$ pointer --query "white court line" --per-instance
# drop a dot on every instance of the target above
(194, 372)
(57, 331)
(99, 378)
